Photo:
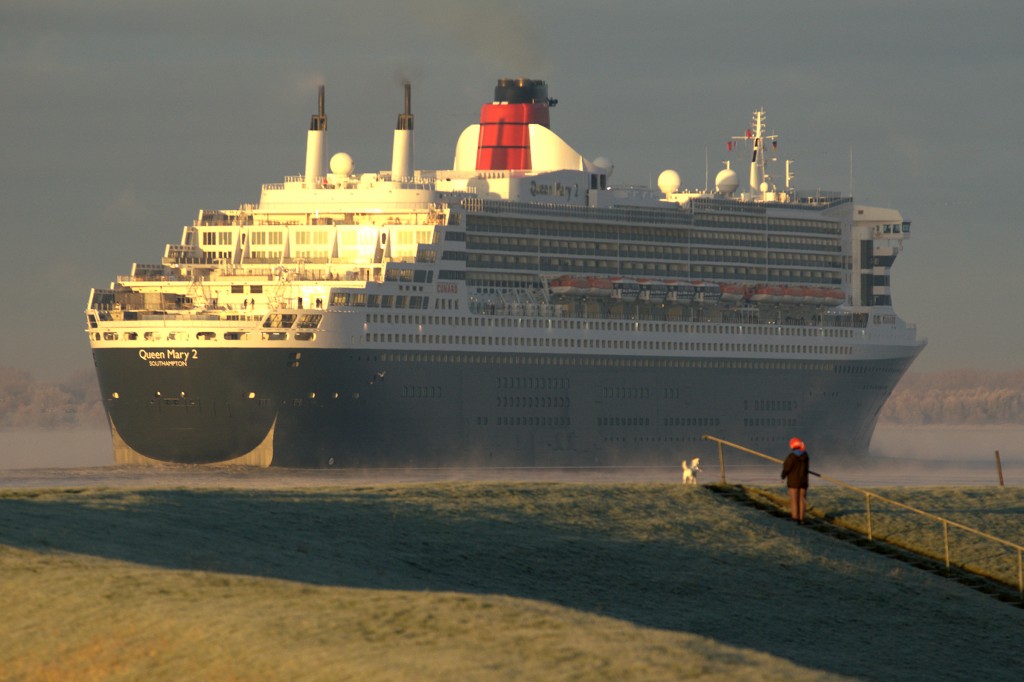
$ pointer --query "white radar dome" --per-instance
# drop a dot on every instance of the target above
(342, 164)
(726, 181)
(604, 165)
(668, 181)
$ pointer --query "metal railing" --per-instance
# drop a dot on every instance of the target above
(869, 496)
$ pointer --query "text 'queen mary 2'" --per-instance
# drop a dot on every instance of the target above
(514, 310)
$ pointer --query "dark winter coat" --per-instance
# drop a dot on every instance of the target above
(795, 469)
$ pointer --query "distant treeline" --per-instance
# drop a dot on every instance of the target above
(29, 403)
(958, 396)
(961, 396)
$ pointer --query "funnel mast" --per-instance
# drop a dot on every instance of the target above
(316, 142)
(402, 152)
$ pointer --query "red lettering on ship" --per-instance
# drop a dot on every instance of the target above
(447, 288)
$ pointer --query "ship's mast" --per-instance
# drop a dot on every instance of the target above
(757, 137)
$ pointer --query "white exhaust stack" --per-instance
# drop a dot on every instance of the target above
(401, 155)
(316, 142)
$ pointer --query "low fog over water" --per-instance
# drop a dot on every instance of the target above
(900, 455)
(44, 448)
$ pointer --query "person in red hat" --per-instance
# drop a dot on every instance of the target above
(795, 470)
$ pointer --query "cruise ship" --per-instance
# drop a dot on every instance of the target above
(515, 310)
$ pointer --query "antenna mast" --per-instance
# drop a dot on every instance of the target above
(705, 169)
(851, 170)
(757, 137)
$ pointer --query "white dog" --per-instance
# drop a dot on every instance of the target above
(690, 471)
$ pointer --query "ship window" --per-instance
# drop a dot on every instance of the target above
(279, 320)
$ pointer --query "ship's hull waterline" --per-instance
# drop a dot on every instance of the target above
(377, 408)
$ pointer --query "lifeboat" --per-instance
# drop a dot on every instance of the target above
(653, 290)
(564, 285)
(679, 292)
(833, 296)
(824, 296)
(625, 289)
(767, 294)
(707, 292)
(734, 292)
(792, 295)
(597, 286)
(811, 296)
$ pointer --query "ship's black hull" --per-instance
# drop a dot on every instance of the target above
(350, 408)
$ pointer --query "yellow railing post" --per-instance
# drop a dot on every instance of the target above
(867, 500)
(945, 541)
(1020, 572)
(721, 462)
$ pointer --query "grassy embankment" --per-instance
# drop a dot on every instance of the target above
(998, 512)
(464, 581)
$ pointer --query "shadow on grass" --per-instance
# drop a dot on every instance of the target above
(391, 539)
(640, 554)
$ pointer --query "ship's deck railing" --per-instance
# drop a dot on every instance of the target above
(199, 318)
(348, 182)
(740, 319)
(670, 215)
(636, 214)
(815, 201)
(152, 278)
(183, 320)
(870, 496)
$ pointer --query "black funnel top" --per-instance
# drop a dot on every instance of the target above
(319, 119)
(521, 91)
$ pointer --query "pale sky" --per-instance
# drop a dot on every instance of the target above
(121, 120)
